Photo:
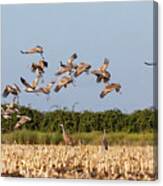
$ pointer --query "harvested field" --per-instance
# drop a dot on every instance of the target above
(82, 161)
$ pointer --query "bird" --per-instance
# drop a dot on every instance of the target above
(149, 63)
(5, 114)
(110, 87)
(105, 65)
(30, 88)
(104, 141)
(11, 89)
(8, 111)
(67, 67)
(101, 76)
(67, 139)
(47, 89)
(80, 68)
(71, 59)
(40, 66)
(10, 108)
(10, 105)
(23, 119)
(63, 83)
(101, 73)
(37, 49)
(63, 69)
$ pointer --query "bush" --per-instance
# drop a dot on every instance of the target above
(87, 121)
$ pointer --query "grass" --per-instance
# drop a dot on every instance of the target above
(117, 138)
(94, 138)
(31, 137)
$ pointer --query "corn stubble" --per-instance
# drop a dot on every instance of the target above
(82, 161)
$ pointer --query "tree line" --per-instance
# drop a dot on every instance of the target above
(86, 121)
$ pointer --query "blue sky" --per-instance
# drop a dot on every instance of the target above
(120, 31)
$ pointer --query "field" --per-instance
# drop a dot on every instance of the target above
(81, 161)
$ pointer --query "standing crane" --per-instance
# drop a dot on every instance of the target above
(67, 139)
(104, 141)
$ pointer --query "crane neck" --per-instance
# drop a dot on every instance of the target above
(63, 130)
(104, 134)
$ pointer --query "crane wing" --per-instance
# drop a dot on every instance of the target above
(25, 82)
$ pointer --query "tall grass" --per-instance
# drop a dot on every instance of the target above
(36, 137)
(31, 137)
(117, 138)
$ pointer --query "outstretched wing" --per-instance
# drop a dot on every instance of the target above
(35, 82)
(106, 61)
(23, 52)
(106, 90)
(62, 65)
(96, 73)
(25, 82)
(23, 120)
(43, 63)
(63, 70)
(105, 65)
(117, 87)
(149, 64)
(17, 87)
(5, 92)
(71, 59)
(58, 87)
(82, 67)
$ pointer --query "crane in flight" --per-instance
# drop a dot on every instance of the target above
(38, 49)
(101, 73)
(13, 90)
(67, 67)
(109, 88)
(148, 63)
(31, 88)
(63, 83)
(80, 68)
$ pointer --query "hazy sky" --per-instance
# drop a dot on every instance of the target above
(121, 31)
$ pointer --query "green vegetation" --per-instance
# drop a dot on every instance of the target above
(31, 137)
(119, 138)
(87, 121)
(85, 126)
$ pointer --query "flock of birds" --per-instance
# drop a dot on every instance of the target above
(11, 109)
(70, 69)
(64, 76)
